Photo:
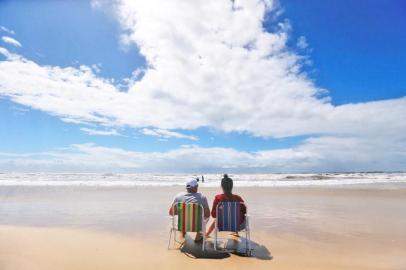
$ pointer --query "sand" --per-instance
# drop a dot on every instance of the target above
(127, 228)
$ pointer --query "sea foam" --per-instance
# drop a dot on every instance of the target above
(244, 180)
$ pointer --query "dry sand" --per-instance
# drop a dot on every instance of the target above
(116, 228)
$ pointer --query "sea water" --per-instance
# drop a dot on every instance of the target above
(243, 180)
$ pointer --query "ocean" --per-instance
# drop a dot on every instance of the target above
(211, 180)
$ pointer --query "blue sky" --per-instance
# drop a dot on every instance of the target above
(354, 50)
(364, 36)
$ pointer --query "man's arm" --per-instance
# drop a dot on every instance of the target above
(173, 210)
(206, 208)
(207, 212)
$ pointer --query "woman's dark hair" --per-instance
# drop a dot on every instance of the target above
(227, 184)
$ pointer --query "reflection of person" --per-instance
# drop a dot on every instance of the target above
(227, 196)
(192, 196)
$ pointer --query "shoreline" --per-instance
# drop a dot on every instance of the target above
(357, 186)
(212, 180)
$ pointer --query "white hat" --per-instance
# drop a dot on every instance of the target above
(192, 183)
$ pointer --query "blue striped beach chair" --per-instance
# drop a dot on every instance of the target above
(190, 219)
(229, 220)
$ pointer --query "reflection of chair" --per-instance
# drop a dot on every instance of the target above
(190, 219)
(229, 219)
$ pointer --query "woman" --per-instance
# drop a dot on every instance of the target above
(226, 196)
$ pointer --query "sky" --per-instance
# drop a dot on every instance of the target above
(202, 86)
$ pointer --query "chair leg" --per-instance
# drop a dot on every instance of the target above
(246, 241)
(204, 234)
(215, 238)
(204, 242)
(174, 237)
(170, 238)
(248, 237)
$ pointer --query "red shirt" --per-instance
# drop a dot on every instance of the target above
(226, 198)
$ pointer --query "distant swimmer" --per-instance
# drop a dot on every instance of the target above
(202, 179)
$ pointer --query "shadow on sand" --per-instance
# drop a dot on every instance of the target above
(194, 250)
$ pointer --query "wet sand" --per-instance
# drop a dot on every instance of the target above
(127, 228)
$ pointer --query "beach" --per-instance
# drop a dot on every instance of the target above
(115, 113)
(113, 227)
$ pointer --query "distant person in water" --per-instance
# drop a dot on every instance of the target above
(226, 196)
(192, 196)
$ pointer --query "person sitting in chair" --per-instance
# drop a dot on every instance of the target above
(227, 196)
(192, 196)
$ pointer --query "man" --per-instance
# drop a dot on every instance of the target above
(192, 196)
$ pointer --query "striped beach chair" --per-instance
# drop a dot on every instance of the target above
(228, 220)
(190, 219)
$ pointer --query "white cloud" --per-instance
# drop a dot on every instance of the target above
(5, 29)
(162, 133)
(96, 68)
(99, 132)
(11, 41)
(302, 43)
(316, 154)
(203, 70)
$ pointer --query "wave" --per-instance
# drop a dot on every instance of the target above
(211, 180)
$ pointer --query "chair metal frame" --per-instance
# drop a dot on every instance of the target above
(174, 227)
(247, 230)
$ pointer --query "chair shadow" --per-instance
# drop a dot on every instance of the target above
(260, 252)
(194, 250)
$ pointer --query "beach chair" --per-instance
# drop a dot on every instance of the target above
(228, 220)
(190, 219)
